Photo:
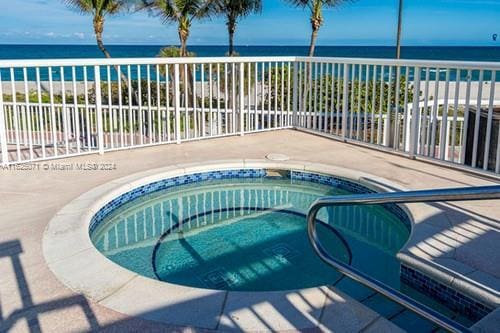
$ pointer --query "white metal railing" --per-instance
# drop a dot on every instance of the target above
(61, 108)
(171, 100)
(420, 108)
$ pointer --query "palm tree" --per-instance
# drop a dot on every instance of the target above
(99, 9)
(234, 10)
(316, 8)
(181, 12)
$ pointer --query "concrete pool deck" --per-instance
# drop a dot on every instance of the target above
(463, 236)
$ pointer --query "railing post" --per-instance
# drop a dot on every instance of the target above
(295, 98)
(3, 130)
(177, 104)
(98, 108)
(242, 98)
(345, 101)
(415, 113)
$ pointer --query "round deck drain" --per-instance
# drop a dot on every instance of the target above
(277, 157)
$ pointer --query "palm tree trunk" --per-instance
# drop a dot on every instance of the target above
(312, 45)
(183, 36)
(400, 20)
(231, 29)
(98, 29)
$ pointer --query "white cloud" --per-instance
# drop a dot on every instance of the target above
(79, 35)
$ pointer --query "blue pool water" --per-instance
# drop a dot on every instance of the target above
(248, 234)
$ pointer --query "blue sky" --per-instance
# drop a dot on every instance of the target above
(364, 22)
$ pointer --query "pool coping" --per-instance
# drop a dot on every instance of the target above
(67, 248)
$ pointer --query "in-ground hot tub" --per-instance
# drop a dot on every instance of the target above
(196, 245)
(245, 230)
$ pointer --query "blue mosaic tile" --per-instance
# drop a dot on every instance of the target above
(329, 180)
(451, 298)
(351, 187)
(168, 183)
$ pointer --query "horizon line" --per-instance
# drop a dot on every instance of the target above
(243, 45)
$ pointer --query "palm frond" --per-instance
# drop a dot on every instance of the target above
(81, 6)
(238, 8)
(98, 7)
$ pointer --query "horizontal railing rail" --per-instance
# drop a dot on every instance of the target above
(485, 65)
(456, 194)
(20, 63)
(15, 63)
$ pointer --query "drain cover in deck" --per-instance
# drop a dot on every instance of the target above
(277, 157)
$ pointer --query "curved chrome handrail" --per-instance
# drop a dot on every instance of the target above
(455, 194)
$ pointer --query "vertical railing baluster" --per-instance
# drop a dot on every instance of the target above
(53, 123)
(388, 114)
(358, 109)
(381, 105)
(325, 106)
(332, 98)
(263, 95)
(202, 78)
(15, 114)
(318, 101)
(288, 97)
(269, 93)
(435, 111)
(455, 114)
(226, 101)
(374, 104)
(29, 128)
(478, 118)
(339, 104)
(396, 109)
(88, 130)
(352, 104)
(219, 120)
(210, 102)
(489, 123)
(158, 128)
(345, 102)
(276, 96)
(167, 102)
(308, 93)
(195, 111)
(150, 116)
(444, 137)
(76, 113)
(415, 116)
(256, 91)
(365, 114)
(120, 105)
(233, 98)
(300, 119)
(424, 143)
(110, 118)
(64, 111)
(295, 100)
(139, 106)
(3, 128)
(98, 108)
(242, 98)
(187, 120)
(177, 102)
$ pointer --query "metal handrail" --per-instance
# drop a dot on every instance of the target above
(455, 194)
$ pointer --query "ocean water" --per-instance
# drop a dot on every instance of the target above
(121, 51)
